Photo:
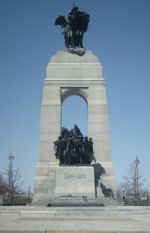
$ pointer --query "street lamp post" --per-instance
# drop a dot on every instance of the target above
(10, 177)
(137, 161)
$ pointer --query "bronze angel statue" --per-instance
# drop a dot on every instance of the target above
(74, 25)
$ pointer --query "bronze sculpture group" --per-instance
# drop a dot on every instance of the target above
(72, 148)
(74, 25)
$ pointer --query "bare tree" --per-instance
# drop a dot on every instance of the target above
(14, 180)
(131, 189)
(134, 180)
(3, 185)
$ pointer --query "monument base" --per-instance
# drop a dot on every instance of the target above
(81, 201)
(71, 182)
(75, 181)
(71, 186)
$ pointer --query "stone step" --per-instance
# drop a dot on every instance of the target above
(116, 219)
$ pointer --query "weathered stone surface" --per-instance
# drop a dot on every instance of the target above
(75, 181)
(119, 219)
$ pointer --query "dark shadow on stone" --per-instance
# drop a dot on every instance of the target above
(98, 172)
(69, 204)
(107, 191)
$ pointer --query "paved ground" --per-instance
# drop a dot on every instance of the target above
(34, 219)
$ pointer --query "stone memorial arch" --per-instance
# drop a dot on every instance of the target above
(73, 71)
(69, 74)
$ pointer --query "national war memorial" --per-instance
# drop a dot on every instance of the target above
(74, 185)
(74, 71)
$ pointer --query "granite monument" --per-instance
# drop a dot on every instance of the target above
(77, 174)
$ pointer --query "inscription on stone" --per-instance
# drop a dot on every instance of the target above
(75, 181)
(73, 177)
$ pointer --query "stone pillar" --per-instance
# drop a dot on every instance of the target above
(69, 74)
(50, 122)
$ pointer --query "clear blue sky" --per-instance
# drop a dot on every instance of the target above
(118, 33)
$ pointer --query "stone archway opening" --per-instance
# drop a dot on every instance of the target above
(75, 111)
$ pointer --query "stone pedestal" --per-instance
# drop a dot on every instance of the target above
(75, 181)
(70, 74)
